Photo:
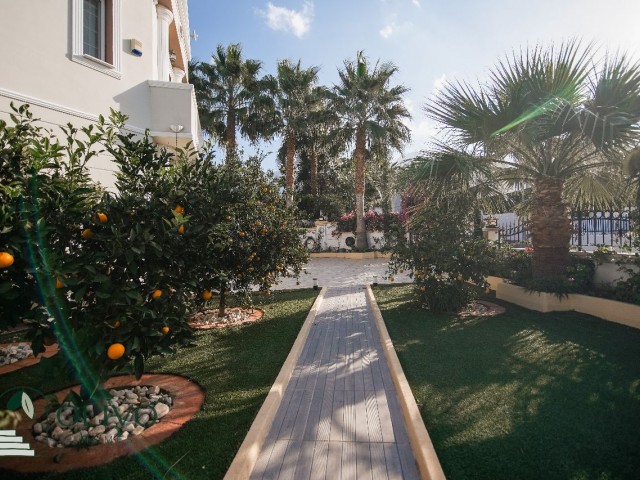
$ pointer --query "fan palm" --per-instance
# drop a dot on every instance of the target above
(231, 96)
(296, 95)
(372, 112)
(553, 120)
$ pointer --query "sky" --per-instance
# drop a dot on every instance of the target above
(430, 41)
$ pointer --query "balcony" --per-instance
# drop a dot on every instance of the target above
(174, 114)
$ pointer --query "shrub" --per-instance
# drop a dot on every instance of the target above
(443, 256)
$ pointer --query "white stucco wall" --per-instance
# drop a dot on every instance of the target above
(37, 46)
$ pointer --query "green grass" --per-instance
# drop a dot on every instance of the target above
(522, 395)
(236, 367)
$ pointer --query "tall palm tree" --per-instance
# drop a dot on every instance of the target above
(320, 137)
(231, 96)
(550, 119)
(372, 112)
(295, 95)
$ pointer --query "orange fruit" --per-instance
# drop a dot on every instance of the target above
(181, 229)
(264, 231)
(6, 259)
(156, 294)
(165, 330)
(87, 233)
(115, 351)
(206, 295)
(242, 234)
(102, 218)
(179, 209)
(59, 283)
(117, 324)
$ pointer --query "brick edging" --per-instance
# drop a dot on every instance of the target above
(421, 445)
(247, 455)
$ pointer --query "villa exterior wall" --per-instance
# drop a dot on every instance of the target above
(43, 66)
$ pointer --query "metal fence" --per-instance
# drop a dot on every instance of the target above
(588, 229)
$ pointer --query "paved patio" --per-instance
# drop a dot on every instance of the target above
(339, 416)
(340, 272)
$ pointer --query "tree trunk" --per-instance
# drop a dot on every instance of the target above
(361, 231)
(230, 135)
(313, 174)
(223, 302)
(550, 229)
(288, 169)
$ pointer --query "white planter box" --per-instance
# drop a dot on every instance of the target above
(610, 310)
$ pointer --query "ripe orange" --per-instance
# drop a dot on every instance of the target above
(206, 295)
(59, 283)
(181, 229)
(87, 233)
(117, 324)
(242, 234)
(115, 351)
(179, 209)
(6, 259)
(156, 294)
(264, 231)
(102, 218)
(165, 330)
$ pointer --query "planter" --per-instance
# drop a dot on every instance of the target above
(351, 255)
(188, 398)
(49, 351)
(610, 310)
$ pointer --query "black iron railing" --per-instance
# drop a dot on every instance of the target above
(593, 228)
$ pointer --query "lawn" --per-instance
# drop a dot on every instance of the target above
(522, 395)
(236, 366)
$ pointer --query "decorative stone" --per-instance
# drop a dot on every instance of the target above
(95, 431)
(37, 428)
(138, 430)
(161, 410)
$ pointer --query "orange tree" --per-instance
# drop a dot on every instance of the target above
(108, 278)
(244, 236)
(45, 192)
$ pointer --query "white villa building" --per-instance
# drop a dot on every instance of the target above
(72, 60)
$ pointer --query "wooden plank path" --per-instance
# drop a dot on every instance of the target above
(339, 417)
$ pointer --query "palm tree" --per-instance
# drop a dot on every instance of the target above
(372, 113)
(231, 96)
(295, 95)
(554, 120)
(320, 137)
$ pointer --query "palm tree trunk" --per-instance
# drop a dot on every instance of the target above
(361, 231)
(230, 135)
(313, 174)
(550, 229)
(289, 166)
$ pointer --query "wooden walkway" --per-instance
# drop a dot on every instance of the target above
(339, 417)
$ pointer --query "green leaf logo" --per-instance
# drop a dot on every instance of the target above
(21, 400)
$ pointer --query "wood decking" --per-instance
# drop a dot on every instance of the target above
(339, 417)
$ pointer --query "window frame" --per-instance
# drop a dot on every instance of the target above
(113, 44)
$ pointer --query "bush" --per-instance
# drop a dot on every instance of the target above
(443, 256)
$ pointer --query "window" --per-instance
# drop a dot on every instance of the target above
(93, 28)
(96, 35)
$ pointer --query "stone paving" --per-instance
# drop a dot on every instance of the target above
(340, 272)
(339, 416)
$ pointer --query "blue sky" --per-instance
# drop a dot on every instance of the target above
(430, 41)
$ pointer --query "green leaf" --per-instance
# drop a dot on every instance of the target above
(138, 365)
(15, 401)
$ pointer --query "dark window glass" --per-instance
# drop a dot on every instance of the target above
(92, 28)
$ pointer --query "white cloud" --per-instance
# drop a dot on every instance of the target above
(439, 83)
(387, 30)
(416, 3)
(281, 18)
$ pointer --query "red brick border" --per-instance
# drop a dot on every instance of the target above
(254, 317)
(28, 361)
(188, 398)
